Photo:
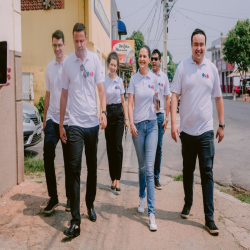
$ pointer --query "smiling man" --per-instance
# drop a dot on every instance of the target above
(51, 120)
(197, 81)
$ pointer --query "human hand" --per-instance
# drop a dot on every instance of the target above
(174, 131)
(220, 133)
(133, 130)
(126, 123)
(103, 121)
(164, 125)
(63, 135)
(8, 76)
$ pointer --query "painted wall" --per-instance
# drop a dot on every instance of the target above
(11, 122)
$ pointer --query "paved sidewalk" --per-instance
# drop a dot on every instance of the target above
(119, 225)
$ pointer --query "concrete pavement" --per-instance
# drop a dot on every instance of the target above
(119, 225)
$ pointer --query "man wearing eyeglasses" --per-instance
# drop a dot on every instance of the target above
(82, 72)
(163, 84)
(51, 122)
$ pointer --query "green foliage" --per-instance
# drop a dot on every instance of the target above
(244, 198)
(171, 66)
(237, 45)
(139, 41)
(40, 107)
(33, 165)
(178, 177)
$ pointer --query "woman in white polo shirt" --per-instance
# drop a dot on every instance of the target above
(142, 89)
(116, 112)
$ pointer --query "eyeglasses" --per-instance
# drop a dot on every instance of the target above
(154, 59)
(57, 46)
(83, 70)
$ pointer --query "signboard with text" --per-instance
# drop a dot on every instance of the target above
(125, 50)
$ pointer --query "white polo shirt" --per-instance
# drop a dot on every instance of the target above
(53, 85)
(143, 87)
(196, 84)
(163, 84)
(82, 94)
(114, 89)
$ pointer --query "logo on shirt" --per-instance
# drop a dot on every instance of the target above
(151, 86)
(117, 87)
(160, 84)
(90, 73)
(205, 76)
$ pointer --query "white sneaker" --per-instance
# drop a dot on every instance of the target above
(141, 205)
(151, 222)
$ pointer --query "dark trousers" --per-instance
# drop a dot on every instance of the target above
(51, 138)
(77, 137)
(113, 134)
(203, 146)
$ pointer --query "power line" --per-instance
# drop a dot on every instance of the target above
(158, 22)
(137, 10)
(198, 22)
(210, 14)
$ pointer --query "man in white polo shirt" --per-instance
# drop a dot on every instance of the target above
(163, 85)
(197, 81)
(51, 121)
(82, 72)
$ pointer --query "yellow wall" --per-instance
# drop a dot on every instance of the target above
(38, 26)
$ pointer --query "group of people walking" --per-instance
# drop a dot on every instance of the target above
(71, 115)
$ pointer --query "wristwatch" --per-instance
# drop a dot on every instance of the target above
(105, 112)
(167, 120)
(222, 126)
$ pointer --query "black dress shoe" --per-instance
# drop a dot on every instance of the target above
(112, 187)
(118, 189)
(92, 214)
(72, 231)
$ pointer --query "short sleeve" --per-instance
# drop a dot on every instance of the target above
(47, 81)
(216, 92)
(121, 87)
(131, 88)
(166, 87)
(65, 78)
(176, 84)
(99, 76)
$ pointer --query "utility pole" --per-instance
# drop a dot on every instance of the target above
(166, 13)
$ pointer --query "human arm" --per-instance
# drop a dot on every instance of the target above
(174, 128)
(133, 129)
(63, 105)
(46, 106)
(102, 97)
(165, 123)
(124, 110)
(8, 76)
(220, 111)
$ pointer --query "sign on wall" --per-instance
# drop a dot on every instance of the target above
(102, 16)
(41, 4)
(125, 50)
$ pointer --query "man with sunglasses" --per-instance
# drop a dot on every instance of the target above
(163, 84)
(82, 72)
(51, 120)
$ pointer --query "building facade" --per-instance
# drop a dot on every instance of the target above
(224, 68)
(11, 122)
(38, 24)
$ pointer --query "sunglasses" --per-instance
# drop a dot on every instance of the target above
(154, 59)
(83, 70)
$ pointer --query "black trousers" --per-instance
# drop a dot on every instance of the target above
(77, 137)
(51, 138)
(114, 133)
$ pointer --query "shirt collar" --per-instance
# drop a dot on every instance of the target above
(55, 62)
(115, 80)
(86, 58)
(159, 74)
(204, 62)
(142, 76)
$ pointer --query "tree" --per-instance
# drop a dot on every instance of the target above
(139, 41)
(237, 46)
(171, 67)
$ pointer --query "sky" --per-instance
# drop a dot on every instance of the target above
(212, 16)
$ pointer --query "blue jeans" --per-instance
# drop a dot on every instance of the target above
(157, 169)
(145, 146)
(203, 147)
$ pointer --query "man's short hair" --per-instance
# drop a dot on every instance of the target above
(80, 27)
(58, 34)
(196, 32)
(156, 51)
